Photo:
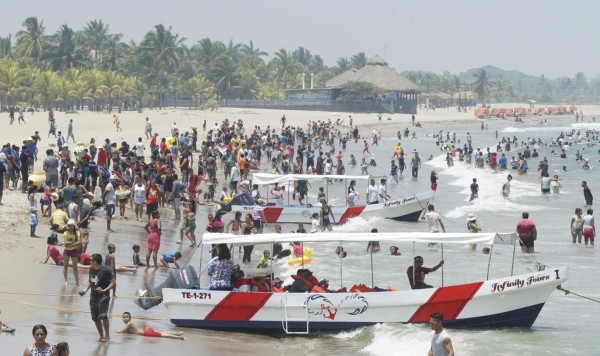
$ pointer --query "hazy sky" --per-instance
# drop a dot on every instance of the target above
(554, 38)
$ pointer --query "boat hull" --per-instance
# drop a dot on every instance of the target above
(505, 302)
(405, 209)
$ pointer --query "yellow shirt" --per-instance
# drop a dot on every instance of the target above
(60, 218)
(71, 238)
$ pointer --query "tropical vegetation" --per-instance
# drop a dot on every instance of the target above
(93, 68)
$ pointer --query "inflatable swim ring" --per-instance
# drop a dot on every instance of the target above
(294, 261)
(123, 194)
(38, 179)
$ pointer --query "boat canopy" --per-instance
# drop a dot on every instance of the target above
(443, 238)
(268, 178)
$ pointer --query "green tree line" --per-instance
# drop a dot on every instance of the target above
(92, 67)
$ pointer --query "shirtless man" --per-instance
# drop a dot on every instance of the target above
(131, 328)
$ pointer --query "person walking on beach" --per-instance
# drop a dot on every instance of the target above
(506, 186)
(148, 129)
(527, 233)
(589, 227)
(70, 131)
(587, 193)
(101, 282)
(117, 123)
(441, 345)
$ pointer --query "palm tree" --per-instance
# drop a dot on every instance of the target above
(96, 35)
(302, 56)
(114, 53)
(500, 89)
(249, 84)
(285, 67)
(63, 92)
(111, 84)
(31, 42)
(249, 50)
(165, 48)
(6, 46)
(63, 52)
(359, 60)
(481, 86)
(137, 89)
(46, 84)
(342, 65)
(11, 81)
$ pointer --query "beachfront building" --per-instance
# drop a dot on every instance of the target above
(401, 95)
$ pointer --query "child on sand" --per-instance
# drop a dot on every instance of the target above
(136, 256)
(131, 328)
(170, 258)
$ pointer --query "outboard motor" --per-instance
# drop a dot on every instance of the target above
(184, 278)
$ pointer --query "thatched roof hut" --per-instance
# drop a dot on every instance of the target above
(378, 73)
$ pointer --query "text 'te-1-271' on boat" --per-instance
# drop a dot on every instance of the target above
(408, 208)
(511, 301)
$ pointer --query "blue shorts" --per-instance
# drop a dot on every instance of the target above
(110, 209)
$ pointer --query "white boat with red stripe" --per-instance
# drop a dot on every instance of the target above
(512, 301)
(407, 208)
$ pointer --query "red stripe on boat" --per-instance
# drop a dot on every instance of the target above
(238, 306)
(449, 301)
(272, 214)
(351, 212)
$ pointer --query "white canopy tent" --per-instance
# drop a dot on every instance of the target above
(442, 238)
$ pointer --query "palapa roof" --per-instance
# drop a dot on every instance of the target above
(378, 73)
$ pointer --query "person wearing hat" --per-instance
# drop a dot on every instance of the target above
(474, 227)
(72, 242)
(416, 273)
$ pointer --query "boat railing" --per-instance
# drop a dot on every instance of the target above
(289, 313)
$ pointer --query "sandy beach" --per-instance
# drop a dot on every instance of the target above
(19, 253)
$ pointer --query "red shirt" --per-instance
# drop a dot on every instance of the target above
(419, 275)
(55, 254)
(526, 228)
(153, 193)
(102, 157)
(153, 141)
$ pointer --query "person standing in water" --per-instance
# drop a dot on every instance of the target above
(440, 340)
(587, 193)
(577, 226)
(474, 190)
(589, 227)
(506, 186)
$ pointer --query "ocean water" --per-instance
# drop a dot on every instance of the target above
(564, 327)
